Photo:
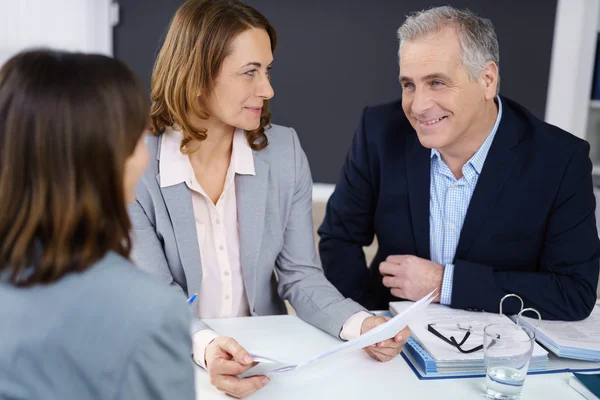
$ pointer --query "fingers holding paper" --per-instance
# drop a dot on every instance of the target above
(387, 349)
(410, 277)
(225, 360)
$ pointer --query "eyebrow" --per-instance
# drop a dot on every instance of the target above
(426, 77)
(255, 64)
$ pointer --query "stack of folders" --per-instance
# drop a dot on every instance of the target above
(425, 366)
(431, 358)
(579, 340)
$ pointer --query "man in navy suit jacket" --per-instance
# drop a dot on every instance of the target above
(465, 190)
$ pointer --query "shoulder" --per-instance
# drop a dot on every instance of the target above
(280, 136)
(284, 145)
(546, 137)
(125, 295)
(148, 185)
(285, 157)
(129, 317)
(124, 274)
(153, 144)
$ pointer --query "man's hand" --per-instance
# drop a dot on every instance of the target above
(411, 277)
(225, 360)
(388, 349)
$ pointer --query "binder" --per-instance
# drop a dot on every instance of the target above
(424, 366)
(578, 339)
(431, 358)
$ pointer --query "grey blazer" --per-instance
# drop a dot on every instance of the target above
(111, 332)
(275, 228)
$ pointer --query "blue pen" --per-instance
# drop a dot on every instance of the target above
(191, 299)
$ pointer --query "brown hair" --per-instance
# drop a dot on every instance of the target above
(196, 44)
(68, 122)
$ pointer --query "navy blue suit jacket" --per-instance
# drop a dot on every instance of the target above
(530, 228)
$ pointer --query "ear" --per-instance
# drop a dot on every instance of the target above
(489, 79)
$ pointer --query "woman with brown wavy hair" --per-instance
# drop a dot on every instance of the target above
(79, 321)
(225, 207)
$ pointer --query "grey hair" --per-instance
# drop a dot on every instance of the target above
(476, 35)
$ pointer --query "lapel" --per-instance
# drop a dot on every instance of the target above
(179, 204)
(251, 196)
(499, 163)
(178, 201)
(418, 165)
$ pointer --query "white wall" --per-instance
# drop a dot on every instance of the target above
(572, 64)
(76, 25)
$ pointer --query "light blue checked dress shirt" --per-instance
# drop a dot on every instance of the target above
(448, 203)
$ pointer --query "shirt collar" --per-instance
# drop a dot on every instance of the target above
(175, 167)
(480, 155)
(475, 163)
(242, 158)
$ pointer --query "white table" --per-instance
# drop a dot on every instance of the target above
(352, 375)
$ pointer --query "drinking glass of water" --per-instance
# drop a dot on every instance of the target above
(507, 351)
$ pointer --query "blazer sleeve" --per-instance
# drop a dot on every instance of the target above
(569, 258)
(160, 367)
(301, 279)
(148, 254)
(348, 225)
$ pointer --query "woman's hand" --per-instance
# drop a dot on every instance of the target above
(225, 360)
(388, 349)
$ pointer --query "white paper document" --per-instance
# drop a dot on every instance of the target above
(378, 334)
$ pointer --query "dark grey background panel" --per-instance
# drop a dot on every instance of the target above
(140, 32)
(337, 56)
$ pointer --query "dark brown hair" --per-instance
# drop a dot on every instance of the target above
(68, 122)
(198, 41)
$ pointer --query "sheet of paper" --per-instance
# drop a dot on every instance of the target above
(375, 335)
(582, 334)
(445, 316)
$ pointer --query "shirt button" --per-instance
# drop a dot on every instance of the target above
(452, 226)
(218, 221)
(226, 297)
(221, 247)
(226, 273)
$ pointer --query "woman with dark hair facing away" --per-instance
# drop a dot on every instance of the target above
(225, 207)
(79, 321)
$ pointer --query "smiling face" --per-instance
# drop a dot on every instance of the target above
(444, 106)
(242, 85)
